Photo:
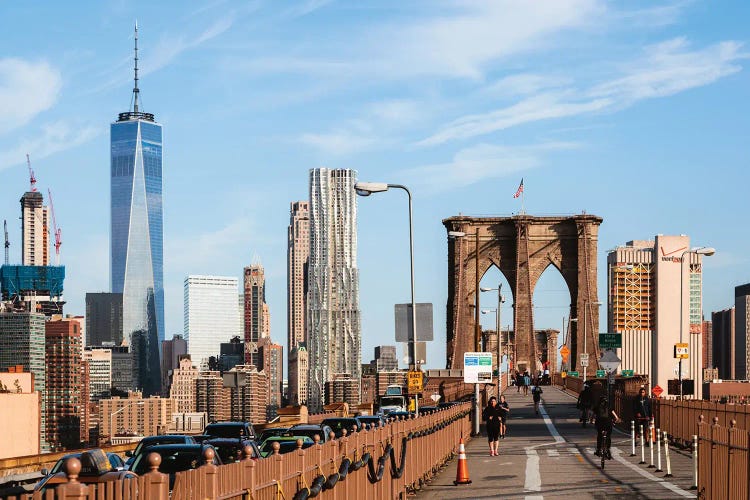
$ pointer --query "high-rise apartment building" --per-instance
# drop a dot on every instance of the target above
(182, 388)
(255, 299)
(135, 414)
(385, 358)
(34, 230)
(647, 306)
(723, 343)
(742, 331)
(104, 318)
(231, 354)
(210, 315)
(249, 393)
(272, 364)
(334, 335)
(298, 254)
(22, 339)
(172, 351)
(707, 339)
(211, 397)
(99, 362)
(343, 389)
(122, 368)
(63, 373)
(136, 232)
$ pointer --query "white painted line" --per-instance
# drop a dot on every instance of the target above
(675, 489)
(574, 451)
(533, 477)
(553, 452)
(550, 426)
(533, 497)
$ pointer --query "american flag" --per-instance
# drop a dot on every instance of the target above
(519, 190)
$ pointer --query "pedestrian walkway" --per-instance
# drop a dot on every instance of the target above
(551, 455)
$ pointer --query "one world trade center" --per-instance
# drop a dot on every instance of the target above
(136, 235)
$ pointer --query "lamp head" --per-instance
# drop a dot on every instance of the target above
(367, 188)
(707, 251)
(485, 289)
(456, 234)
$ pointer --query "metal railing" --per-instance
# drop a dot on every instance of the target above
(386, 462)
(723, 460)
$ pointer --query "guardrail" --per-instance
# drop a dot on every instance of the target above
(378, 463)
(723, 460)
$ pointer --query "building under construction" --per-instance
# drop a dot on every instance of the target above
(33, 288)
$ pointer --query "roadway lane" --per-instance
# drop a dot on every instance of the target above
(551, 456)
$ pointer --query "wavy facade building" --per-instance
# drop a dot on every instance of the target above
(333, 280)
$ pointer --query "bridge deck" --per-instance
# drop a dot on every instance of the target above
(551, 456)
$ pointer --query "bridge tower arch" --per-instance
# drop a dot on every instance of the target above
(521, 247)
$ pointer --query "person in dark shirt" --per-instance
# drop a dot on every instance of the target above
(504, 411)
(536, 393)
(605, 417)
(642, 411)
(491, 415)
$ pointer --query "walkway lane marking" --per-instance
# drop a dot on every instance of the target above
(533, 476)
(672, 487)
(550, 426)
(553, 452)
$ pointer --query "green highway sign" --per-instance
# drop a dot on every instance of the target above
(600, 373)
(572, 374)
(610, 340)
(627, 373)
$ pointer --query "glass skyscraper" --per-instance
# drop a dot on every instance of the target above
(136, 234)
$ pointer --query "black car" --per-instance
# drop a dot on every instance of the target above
(269, 432)
(371, 421)
(115, 464)
(236, 430)
(149, 441)
(310, 430)
(338, 425)
(174, 458)
(233, 450)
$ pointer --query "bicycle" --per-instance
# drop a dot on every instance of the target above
(605, 449)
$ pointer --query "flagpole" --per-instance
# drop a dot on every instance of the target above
(523, 201)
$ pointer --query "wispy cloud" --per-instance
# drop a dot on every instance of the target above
(53, 138)
(26, 89)
(664, 69)
(307, 7)
(479, 163)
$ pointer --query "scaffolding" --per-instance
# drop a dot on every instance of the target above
(632, 289)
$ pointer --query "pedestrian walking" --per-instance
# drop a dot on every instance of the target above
(491, 415)
(519, 381)
(536, 393)
(526, 383)
(504, 410)
(642, 410)
(585, 402)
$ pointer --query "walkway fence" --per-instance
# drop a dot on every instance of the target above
(370, 464)
(723, 460)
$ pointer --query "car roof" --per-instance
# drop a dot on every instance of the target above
(308, 426)
(177, 446)
(162, 437)
(289, 438)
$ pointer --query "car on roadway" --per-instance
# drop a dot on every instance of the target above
(310, 430)
(338, 424)
(236, 430)
(371, 421)
(232, 450)
(96, 467)
(149, 441)
(270, 431)
(287, 444)
(175, 458)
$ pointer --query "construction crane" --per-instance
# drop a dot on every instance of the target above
(57, 233)
(32, 179)
(7, 243)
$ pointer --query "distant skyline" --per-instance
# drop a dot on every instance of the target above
(638, 112)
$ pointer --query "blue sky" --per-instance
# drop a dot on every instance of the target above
(635, 111)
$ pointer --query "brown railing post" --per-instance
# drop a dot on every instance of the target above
(730, 432)
(155, 484)
(210, 472)
(248, 472)
(72, 489)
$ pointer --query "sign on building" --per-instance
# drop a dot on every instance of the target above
(477, 367)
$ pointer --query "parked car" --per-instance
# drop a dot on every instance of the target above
(310, 430)
(338, 425)
(234, 430)
(271, 431)
(174, 458)
(371, 421)
(149, 441)
(232, 450)
(96, 467)
(286, 444)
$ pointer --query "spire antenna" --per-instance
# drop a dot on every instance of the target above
(135, 87)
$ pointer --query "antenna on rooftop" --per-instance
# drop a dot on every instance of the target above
(136, 91)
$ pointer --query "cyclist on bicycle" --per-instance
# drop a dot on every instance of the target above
(605, 416)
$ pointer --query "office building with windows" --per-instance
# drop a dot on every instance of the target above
(136, 232)
(742, 331)
(298, 253)
(63, 383)
(647, 306)
(254, 311)
(211, 316)
(334, 335)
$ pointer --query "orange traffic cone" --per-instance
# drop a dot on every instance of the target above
(462, 471)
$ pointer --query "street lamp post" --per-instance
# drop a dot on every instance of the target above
(707, 251)
(500, 300)
(366, 189)
(112, 417)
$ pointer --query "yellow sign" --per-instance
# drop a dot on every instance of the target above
(681, 350)
(564, 353)
(563, 374)
(414, 382)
